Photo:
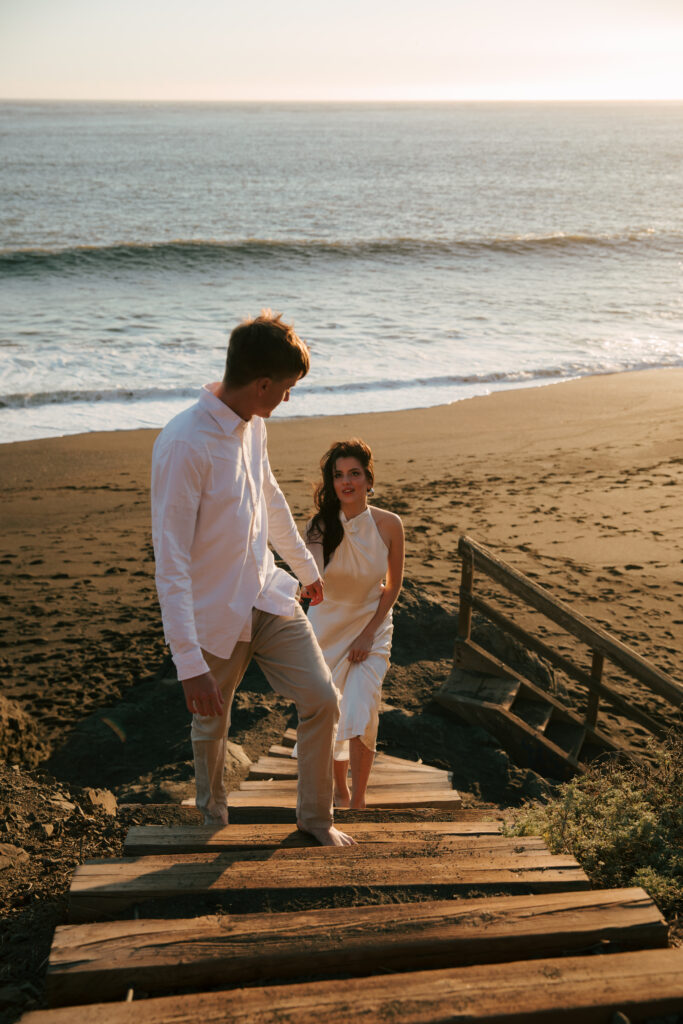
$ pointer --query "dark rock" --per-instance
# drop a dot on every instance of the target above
(11, 855)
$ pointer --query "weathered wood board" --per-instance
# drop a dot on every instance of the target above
(576, 990)
(105, 888)
(282, 767)
(377, 796)
(143, 840)
(158, 955)
(380, 787)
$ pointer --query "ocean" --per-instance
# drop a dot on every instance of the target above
(426, 252)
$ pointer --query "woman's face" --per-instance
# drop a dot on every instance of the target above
(350, 482)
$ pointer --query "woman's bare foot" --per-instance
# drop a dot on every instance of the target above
(357, 803)
(342, 799)
(330, 836)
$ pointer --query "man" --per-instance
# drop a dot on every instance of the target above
(215, 506)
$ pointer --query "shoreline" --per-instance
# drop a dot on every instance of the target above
(177, 405)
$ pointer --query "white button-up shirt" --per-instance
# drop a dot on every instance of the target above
(215, 506)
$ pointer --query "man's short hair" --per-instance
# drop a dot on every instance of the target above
(264, 347)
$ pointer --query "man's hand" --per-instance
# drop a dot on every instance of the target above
(202, 695)
(313, 592)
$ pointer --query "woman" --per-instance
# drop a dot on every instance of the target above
(359, 551)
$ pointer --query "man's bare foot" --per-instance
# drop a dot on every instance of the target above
(330, 836)
(216, 816)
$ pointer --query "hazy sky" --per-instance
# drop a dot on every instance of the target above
(350, 50)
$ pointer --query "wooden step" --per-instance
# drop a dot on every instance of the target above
(187, 814)
(151, 839)
(536, 713)
(482, 848)
(565, 734)
(105, 888)
(279, 750)
(156, 955)
(430, 793)
(281, 767)
(471, 694)
(576, 990)
(379, 786)
(284, 771)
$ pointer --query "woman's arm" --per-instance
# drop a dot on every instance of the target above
(315, 546)
(391, 531)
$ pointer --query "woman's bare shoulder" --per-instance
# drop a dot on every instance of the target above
(386, 518)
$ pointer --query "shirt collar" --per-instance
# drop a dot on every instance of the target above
(230, 422)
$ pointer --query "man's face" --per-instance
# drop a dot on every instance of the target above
(272, 391)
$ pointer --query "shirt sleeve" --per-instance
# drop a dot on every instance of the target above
(282, 531)
(177, 473)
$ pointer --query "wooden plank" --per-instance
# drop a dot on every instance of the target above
(559, 612)
(380, 786)
(466, 586)
(278, 750)
(396, 797)
(388, 759)
(531, 690)
(576, 990)
(150, 839)
(597, 665)
(282, 770)
(104, 888)
(381, 766)
(285, 752)
(155, 955)
(380, 777)
(498, 851)
(483, 848)
(473, 845)
(611, 695)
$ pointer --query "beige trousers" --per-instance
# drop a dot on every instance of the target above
(289, 656)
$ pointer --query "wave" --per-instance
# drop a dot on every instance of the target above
(494, 380)
(188, 254)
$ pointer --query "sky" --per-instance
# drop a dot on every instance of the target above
(356, 50)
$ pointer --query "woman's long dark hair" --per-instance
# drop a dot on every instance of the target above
(325, 527)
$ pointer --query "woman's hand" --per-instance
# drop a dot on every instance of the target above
(313, 592)
(361, 646)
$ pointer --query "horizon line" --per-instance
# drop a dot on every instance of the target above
(356, 100)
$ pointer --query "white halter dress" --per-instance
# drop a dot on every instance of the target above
(353, 586)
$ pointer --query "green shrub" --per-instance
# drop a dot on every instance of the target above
(622, 822)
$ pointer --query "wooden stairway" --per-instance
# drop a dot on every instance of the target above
(272, 783)
(440, 921)
(531, 724)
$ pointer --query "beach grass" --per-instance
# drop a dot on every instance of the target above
(623, 821)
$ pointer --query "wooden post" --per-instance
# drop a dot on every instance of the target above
(594, 692)
(466, 585)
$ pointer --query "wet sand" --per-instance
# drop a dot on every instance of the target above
(576, 484)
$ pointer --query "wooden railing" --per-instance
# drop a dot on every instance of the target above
(602, 645)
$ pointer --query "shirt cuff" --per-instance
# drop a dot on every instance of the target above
(190, 664)
(310, 572)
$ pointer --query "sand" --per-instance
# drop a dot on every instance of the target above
(574, 484)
